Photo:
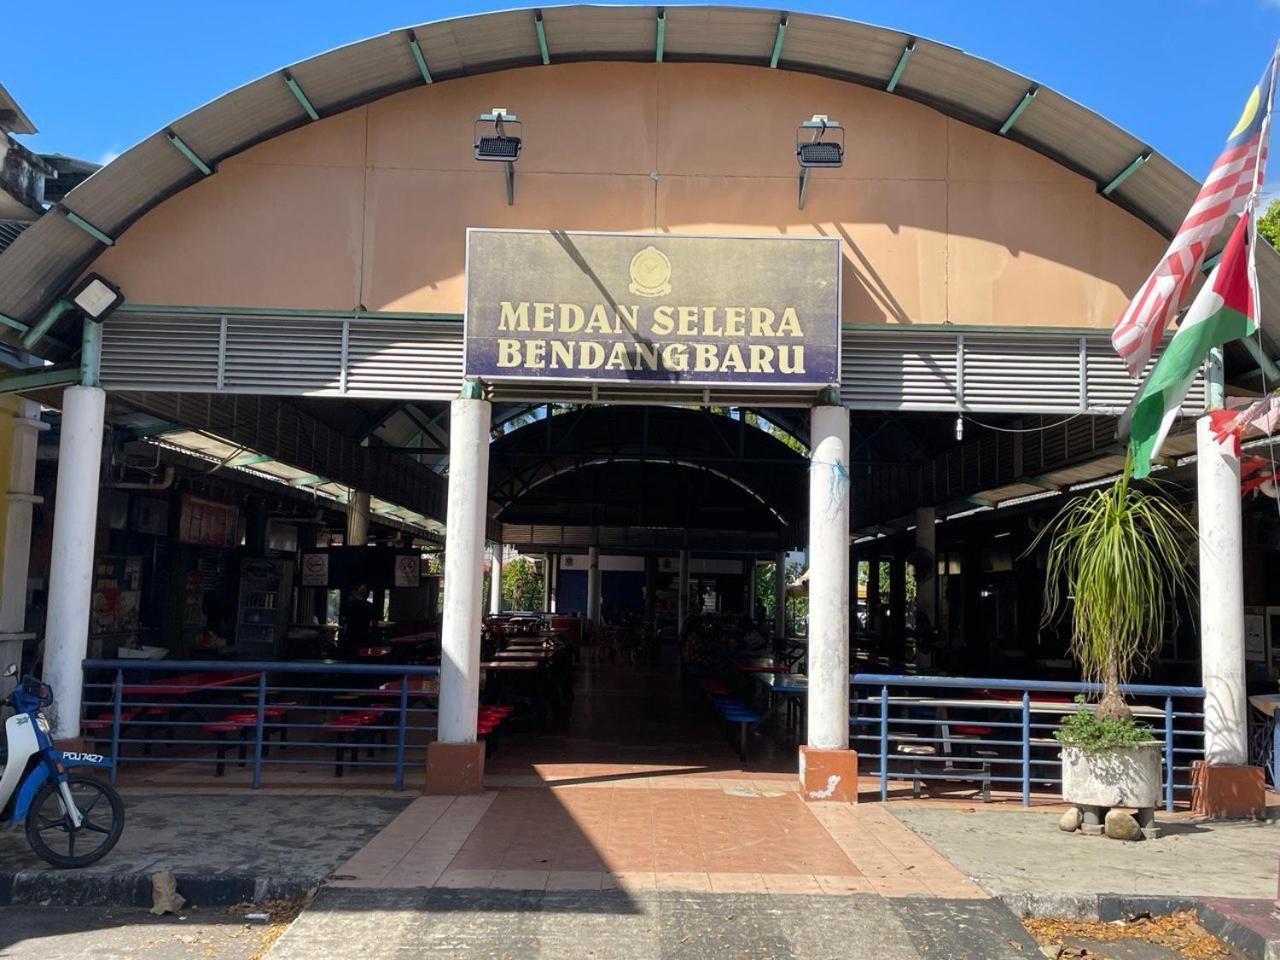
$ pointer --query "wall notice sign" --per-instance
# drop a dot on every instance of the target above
(653, 308)
(408, 571)
(315, 569)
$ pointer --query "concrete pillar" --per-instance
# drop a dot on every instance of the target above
(464, 569)
(650, 587)
(682, 604)
(927, 585)
(553, 573)
(828, 699)
(1222, 652)
(358, 519)
(828, 768)
(75, 521)
(593, 586)
(546, 582)
(20, 499)
(873, 594)
(749, 565)
(780, 596)
(495, 580)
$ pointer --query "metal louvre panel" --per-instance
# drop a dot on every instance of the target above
(898, 371)
(283, 355)
(1111, 389)
(404, 358)
(160, 353)
(1012, 372)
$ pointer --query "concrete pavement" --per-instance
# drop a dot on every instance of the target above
(647, 925)
(1014, 853)
(222, 847)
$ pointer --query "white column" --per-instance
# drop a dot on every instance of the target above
(75, 521)
(828, 661)
(546, 582)
(927, 587)
(495, 580)
(1222, 653)
(780, 595)
(464, 569)
(682, 603)
(358, 519)
(593, 586)
(20, 498)
(553, 574)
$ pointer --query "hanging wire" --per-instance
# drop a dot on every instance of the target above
(1048, 426)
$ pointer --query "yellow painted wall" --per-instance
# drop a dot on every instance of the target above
(939, 221)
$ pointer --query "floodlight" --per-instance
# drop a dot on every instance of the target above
(819, 143)
(96, 297)
(497, 138)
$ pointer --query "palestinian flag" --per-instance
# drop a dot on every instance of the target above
(1222, 311)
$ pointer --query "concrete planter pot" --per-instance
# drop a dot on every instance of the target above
(1118, 777)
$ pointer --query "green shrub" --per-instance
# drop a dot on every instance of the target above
(1092, 733)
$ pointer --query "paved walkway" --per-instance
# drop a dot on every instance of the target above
(720, 836)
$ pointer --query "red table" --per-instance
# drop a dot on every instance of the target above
(184, 684)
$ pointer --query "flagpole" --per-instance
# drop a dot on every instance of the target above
(1250, 204)
(1264, 134)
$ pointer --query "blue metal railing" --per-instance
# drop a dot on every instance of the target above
(1003, 740)
(377, 709)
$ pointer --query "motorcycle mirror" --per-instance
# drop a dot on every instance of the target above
(11, 670)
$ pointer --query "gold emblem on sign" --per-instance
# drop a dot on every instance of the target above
(650, 273)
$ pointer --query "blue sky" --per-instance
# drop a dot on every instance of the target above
(97, 77)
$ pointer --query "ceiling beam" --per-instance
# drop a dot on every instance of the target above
(661, 39)
(1126, 173)
(777, 42)
(909, 49)
(300, 96)
(418, 58)
(1017, 111)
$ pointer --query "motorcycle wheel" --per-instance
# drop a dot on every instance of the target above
(49, 828)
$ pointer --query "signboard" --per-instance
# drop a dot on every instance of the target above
(315, 569)
(408, 571)
(208, 523)
(653, 308)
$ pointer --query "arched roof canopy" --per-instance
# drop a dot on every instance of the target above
(652, 466)
(40, 265)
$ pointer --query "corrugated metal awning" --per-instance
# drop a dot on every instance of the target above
(38, 266)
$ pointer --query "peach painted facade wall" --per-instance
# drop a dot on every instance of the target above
(939, 221)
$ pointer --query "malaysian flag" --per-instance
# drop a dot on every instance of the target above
(1225, 192)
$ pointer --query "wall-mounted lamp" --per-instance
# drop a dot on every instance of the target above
(819, 143)
(498, 139)
(96, 297)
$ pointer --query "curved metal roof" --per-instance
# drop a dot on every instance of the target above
(37, 267)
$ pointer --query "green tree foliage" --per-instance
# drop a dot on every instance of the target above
(521, 585)
(797, 604)
(1269, 223)
(1117, 560)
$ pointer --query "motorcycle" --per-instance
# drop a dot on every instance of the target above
(66, 813)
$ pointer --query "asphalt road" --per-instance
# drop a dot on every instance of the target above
(118, 933)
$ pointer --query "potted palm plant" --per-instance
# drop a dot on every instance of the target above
(1116, 562)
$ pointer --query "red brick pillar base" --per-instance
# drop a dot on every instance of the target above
(1226, 792)
(829, 775)
(455, 768)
